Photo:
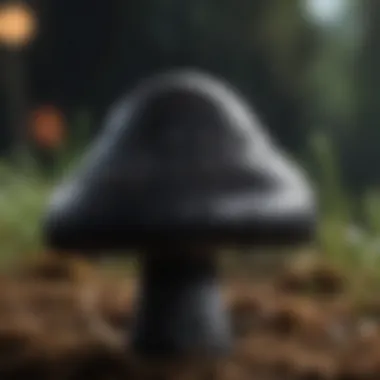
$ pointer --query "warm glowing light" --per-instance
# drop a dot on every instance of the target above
(17, 24)
(48, 127)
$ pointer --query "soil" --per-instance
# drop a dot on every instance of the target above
(65, 320)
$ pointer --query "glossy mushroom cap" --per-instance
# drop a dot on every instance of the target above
(182, 158)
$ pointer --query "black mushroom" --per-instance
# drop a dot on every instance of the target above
(182, 168)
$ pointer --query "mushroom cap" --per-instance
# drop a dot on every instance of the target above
(182, 158)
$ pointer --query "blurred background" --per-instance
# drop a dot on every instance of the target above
(310, 67)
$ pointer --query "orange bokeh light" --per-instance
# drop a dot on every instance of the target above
(17, 24)
(48, 127)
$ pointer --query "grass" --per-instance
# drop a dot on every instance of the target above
(349, 229)
(22, 199)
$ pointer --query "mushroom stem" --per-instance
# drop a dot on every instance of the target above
(180, 311)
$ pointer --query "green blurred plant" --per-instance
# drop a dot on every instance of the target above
(22, 197)
(349, 229)
(334, 205)
(24, 192)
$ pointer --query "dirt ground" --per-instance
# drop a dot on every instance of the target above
(64, 320)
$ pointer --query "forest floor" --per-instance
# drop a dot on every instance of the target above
(67, 321)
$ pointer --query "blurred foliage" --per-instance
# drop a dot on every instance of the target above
(22, 198)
